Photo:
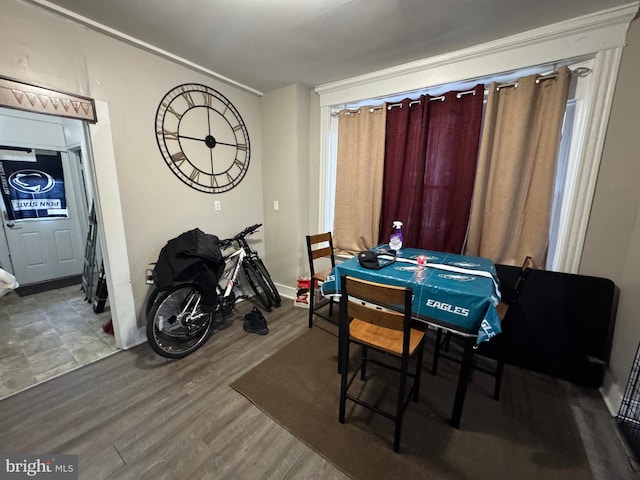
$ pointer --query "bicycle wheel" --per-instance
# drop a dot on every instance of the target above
(257, 284)
(271, 287)
(175, 325)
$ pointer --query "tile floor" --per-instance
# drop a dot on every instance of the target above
(46, 334)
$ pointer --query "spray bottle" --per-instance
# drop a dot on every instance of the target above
(395, 240)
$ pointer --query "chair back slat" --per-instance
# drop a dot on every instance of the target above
(321, 252)
(314, 252)
(376, 292)
(368, 313)
(320, 237)
(382, 305)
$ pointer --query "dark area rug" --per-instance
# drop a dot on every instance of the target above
(529, 434)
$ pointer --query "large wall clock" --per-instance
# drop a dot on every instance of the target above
(203, 138)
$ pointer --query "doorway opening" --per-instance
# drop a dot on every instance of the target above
(44, 201)
(52, 325)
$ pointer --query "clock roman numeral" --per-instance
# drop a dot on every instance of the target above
(189, 99)
(207, 99)
(194, 175)
(237, 127)
(178, 158)
(229, 178)
(243, 147)
(172, 110)
(238, 163)
(169, 135)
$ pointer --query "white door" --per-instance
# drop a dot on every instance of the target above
(48, 247)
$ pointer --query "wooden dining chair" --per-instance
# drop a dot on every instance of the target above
(319, 249)
(494, 350)
(378, 317)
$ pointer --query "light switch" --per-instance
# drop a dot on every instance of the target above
(216, 206)
(276, 205)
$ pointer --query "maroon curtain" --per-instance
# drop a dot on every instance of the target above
(404, 165)
(430, 165)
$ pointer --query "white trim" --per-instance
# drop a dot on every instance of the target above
(99, 27)
(323, 177)
(611, 393)
(112, 232)
(591, 128)
(573, 38)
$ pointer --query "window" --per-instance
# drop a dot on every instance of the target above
(596, 38)
(567, 156)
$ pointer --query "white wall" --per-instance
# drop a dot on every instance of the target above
(612, 244)
(40, 48)
(285, 120)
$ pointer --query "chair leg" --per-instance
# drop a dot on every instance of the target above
(436, 351)
(463, 380)
(396, 434)
(499, 370)
(400, 405)
(311, 306)
(447, 341)
(499, 367)
(344, 372)
(363, 368)
(416, 391)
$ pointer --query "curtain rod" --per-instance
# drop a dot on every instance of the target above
(579, 71)
(432, 99)
(349, 112)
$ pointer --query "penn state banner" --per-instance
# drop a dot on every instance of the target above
(34, 189)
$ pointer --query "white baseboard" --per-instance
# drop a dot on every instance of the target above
(611, 393)
(286, 291)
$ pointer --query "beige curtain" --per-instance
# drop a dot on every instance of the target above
(359, 172)
(513, 193)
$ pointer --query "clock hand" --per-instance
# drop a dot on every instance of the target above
(209, 140)
(192, 138)
(227, 144)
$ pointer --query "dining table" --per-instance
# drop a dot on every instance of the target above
(451, 292)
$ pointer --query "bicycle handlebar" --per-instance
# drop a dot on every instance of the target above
(240, 236)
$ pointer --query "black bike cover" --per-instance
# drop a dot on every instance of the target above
(191, 256)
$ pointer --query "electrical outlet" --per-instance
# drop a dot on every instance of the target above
(216, 206)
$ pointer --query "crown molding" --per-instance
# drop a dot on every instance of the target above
(100, 28)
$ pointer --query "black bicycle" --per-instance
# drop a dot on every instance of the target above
(178, 321)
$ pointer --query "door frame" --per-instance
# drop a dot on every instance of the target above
(111, 230)
(5, 260)
(102, 175)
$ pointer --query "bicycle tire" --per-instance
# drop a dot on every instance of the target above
(271, 290)
(257, 283)
(169, 333)
(153, 295)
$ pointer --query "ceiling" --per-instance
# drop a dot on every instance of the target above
(268, 44)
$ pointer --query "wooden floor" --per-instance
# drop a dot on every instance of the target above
(136, 415)
(147, 417)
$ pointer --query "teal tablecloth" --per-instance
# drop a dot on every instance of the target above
(457, 292)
